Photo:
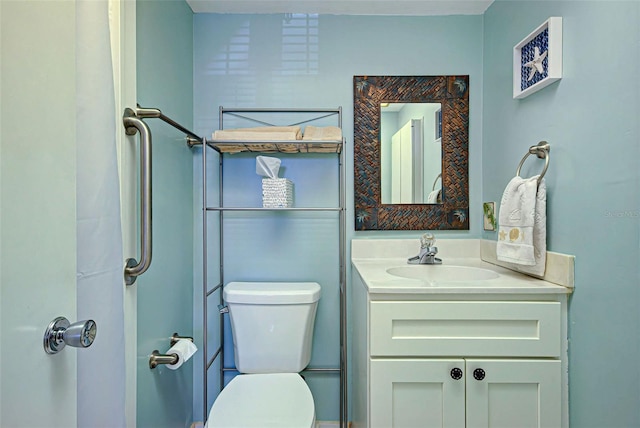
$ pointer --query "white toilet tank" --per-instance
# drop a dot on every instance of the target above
(272, 324)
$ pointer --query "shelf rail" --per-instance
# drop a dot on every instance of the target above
(313, 115)
(219, 150)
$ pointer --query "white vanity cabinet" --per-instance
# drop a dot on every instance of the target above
(458, 359)
(428, 392)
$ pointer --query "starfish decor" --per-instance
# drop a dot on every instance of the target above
(536, 63)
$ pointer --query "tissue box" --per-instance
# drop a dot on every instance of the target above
(277, 193)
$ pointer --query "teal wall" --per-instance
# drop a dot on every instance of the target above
(246, 61)
(241, 61)
(590, 118)
(165, 293)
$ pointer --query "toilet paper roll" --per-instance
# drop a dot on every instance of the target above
(184, 349)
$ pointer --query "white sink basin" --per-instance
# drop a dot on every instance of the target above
(443, 273)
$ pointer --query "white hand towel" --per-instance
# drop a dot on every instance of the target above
(433, 197)
(522, 236)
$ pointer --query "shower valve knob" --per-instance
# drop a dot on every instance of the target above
(61, 332)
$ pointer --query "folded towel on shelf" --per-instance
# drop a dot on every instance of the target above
(322, 133)
(294, 128)
(265, 133)
(522, 222)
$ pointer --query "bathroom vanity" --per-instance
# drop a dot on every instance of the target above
(462, 344)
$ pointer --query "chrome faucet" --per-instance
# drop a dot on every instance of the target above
(428, 251)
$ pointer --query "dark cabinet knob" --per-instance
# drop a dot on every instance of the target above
(478, 374)
(456, 373)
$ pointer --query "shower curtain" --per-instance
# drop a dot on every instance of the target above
(100, 289)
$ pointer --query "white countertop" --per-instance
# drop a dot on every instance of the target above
(371, 260)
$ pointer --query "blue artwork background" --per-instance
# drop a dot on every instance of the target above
(527, 54)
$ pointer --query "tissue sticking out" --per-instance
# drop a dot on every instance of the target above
(268, 167)
(276, 192)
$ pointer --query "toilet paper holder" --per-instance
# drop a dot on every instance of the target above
(157, 358)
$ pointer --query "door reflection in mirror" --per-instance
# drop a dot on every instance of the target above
(411, 153)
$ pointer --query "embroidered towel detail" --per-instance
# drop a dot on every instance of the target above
(522, 236)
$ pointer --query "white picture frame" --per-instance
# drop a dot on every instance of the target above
(537, 59)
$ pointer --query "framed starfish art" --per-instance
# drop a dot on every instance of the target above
(537, 59)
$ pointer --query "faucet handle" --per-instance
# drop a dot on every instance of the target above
(427, 240)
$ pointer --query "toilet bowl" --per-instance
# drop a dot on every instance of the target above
(278, 400)
(272, 327)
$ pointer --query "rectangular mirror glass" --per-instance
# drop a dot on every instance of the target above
(411, 153)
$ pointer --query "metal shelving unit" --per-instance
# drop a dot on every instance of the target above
(265, 147)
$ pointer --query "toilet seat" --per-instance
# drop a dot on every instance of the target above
(281, 400)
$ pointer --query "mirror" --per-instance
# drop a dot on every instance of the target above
(377, 205)
(410, 153)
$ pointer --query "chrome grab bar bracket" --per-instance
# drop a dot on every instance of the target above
(143, 112)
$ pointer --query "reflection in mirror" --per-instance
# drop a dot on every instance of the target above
(375, 206)
(411, 153)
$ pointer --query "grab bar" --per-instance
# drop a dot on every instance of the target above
(133, 268)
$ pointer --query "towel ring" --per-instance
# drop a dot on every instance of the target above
(435, 181)
(541, 150)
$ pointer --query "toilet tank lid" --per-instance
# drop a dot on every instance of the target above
(272, 292)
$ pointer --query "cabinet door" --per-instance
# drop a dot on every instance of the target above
(513, 393)
(412, 393)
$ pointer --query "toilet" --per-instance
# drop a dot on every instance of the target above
(272, 326)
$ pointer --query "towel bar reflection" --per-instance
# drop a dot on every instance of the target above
(132, 125)
(439, 176)
(541, 150)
